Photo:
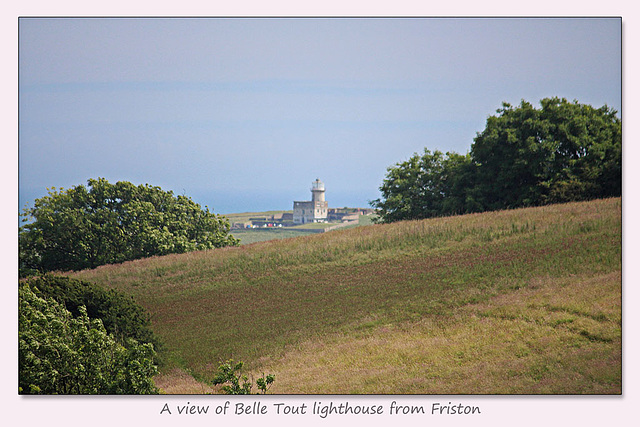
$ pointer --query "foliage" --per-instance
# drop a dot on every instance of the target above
(524, 157)
(265, 382)
(104, 223)
(561, 152)
(424, 186)
(62, 354)
(121, 316)
(229, 372)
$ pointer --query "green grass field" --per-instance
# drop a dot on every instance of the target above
(523, 301)
(253, 235)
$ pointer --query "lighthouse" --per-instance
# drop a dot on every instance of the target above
(315, 210)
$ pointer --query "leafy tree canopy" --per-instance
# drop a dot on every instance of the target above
(563, 151)
(103, 223)
(421, 187)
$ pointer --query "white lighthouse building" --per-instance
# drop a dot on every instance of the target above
(314, 211)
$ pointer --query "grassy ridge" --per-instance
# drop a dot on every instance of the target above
(339, 312)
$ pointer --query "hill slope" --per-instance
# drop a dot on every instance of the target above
(520, 301)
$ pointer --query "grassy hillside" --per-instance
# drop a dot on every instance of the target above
(520, 301)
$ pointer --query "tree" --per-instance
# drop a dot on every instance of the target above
(104, 223)
(511, 155)
(62, 354)
(588, 160)
(524, 157)
(424, 186)
(561, 152)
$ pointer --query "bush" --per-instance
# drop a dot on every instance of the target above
(121, 316)
(62, 354)
(229, 374)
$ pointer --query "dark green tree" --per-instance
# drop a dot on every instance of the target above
(563, 151)
(424, 186)
(512, 158)
(588, 159)
(103, 223)
(459, 181)
(121, 316)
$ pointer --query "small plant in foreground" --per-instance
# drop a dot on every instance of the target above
(264, 383)
(229, 372)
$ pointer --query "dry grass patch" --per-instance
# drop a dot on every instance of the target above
(178, 381)
(518, 343)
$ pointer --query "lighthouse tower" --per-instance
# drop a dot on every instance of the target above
(317, 191)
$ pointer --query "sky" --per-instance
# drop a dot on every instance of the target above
(242, 114)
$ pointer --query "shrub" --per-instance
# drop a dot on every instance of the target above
(63, 354)
(236, 383)
(120, 314)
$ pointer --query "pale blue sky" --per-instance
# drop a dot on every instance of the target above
(243, 114)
